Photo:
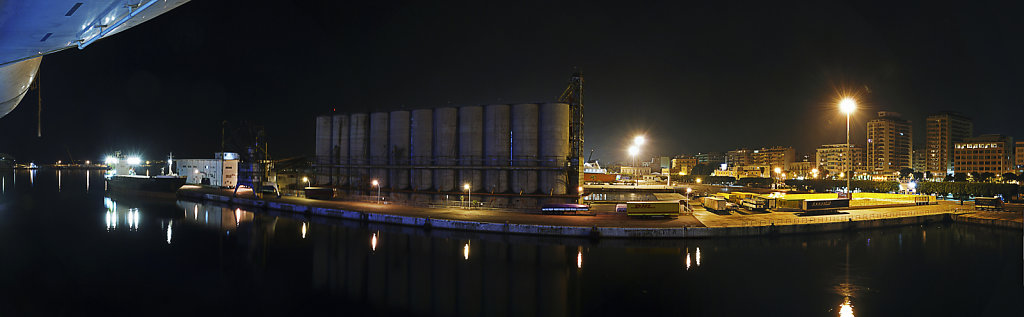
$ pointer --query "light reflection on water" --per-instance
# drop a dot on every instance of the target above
(278, 258)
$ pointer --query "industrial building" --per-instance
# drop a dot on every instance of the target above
(890, 145)
(835, 158)
(942, 131)
(220, 171)
(988, 153)
(511, 155)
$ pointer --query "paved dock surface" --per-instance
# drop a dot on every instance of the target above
(601, 216)
(604, 216)
(745, 218)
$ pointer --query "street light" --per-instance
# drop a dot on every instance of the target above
(847, 105)
(304, 180)
(633, 151)
(469, 191)
(639, 140)
(377, 184)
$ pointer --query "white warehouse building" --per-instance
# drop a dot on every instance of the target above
(220, 171)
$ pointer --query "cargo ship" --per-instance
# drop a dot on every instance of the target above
(122, 177)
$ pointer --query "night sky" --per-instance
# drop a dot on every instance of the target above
(693, 77)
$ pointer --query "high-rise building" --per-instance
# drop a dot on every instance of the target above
(918, 163)
(740, 157)
(890, 145)
(987, 153)
(774, 157)
(942, 131)
(834, 158)
(1020, 157)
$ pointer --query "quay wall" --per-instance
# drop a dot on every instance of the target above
(592, 232)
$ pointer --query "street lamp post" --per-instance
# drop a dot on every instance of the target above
(847, 106)
(469, 191)
(376, 184)
(778, 174)
(633, 151)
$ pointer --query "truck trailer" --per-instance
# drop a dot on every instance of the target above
(715, 203)
(667, 208)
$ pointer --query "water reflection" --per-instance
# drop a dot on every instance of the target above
(465, 251)
(579, 257)
(304, 225)
(224, 218)
(846, 308)
(170, 225)
(373, 242)
(112, 216)
(697, 254)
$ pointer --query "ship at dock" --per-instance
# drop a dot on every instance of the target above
(123, 176)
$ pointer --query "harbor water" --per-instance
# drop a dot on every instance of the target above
(69, 248)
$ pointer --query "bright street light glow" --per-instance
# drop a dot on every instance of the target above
(689, 190)
(778, 170)
(847, 105)
(374, 183)
(305, 179)
(639, 140)
(698, 181)
(465, 186)
(633, 150)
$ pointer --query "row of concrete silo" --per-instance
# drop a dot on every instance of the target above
(520, 149)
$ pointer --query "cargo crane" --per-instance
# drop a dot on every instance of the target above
(573, 95)
(256, 170)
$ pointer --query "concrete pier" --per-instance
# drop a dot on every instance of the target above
(605, 224)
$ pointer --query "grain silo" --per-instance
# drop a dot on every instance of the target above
(378, 147)
(357, 147)
(524, 148)
(421, 148)
(445, 147)
(398, 150)
(553, 148)
(339, 149)
(497, 147)
(471, 146)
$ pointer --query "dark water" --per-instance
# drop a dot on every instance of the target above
(68, 251)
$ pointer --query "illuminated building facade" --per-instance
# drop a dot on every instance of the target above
(740, 157)
(774, 157)
(834, 158)
(942, 131)
(1020, 157)
(713, 158)
(890, 145)
(988, 153)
